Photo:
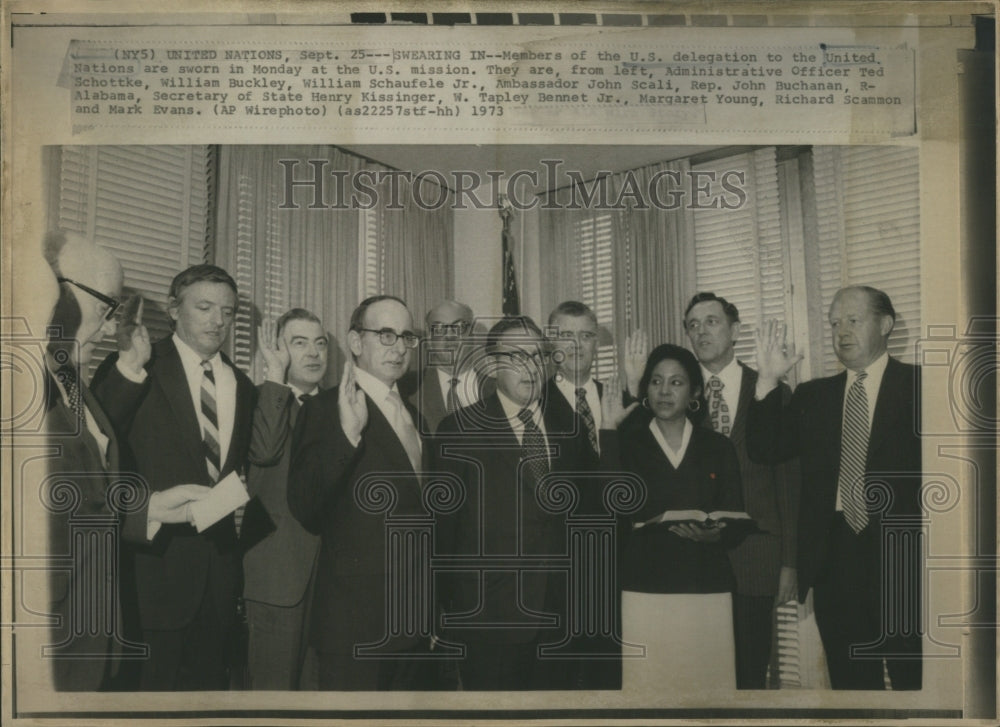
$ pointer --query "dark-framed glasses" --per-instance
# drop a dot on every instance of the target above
(388, 337)
(455, 328)
(112, 303)
(523, 357)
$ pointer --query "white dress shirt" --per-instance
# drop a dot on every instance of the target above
(568, 389)
(731, 377)
(511, 410)
(467, 388)
(379, 393)
(871, 384)
(225, 392)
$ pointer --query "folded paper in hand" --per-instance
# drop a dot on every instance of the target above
(702, 519)
(227, 495)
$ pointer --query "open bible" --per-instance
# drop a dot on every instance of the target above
(714, 519)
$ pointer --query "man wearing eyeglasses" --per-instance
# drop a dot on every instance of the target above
(185, 412)
(449, 379)
(360, 428)
(85, 457)
(502, 450)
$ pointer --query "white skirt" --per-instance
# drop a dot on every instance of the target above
(688, 640)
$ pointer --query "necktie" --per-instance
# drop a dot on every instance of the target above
(452, 400)
(583, 409)
(403, 426)
(210, 422)
(718, 410)
(303, 397)
(853, 452)
(67, 377)
(534, 453)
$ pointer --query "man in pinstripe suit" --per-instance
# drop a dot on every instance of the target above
(764, 563)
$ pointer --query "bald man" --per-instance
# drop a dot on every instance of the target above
(448, 379)
(856, 436)
(87, 456)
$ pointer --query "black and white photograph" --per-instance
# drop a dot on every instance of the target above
(410, 411)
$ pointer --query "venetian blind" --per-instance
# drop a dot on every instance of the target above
(150, 206)
(596, 282)
(739, 253)
(868, 215)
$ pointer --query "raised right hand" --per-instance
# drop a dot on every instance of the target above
(271, 349)
(134, 348)
(774, 357)
(353, 408)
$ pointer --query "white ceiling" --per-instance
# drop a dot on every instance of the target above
(587, 159)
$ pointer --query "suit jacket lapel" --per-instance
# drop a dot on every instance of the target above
(890, 398)
(381, 432)
(242, 417)
(748, 385)
(168, 374)
(105, 426)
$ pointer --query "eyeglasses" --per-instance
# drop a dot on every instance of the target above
(112, 303)
(523, 357)
(585, 336)
(455, 328)
(388, 337)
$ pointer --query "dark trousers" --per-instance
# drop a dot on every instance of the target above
(850, 613)
(188, 659)
(753, 619)
(345, 672)
(499, 667)
(276, 649)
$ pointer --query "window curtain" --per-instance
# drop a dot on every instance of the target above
(311, 258)
(653, 256)
(416, 245)
(654, 270)
(284, 258)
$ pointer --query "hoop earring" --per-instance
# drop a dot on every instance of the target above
(696, 407)
(645, 403)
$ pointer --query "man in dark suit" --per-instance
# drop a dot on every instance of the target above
(856, 438)
(278, 568)
(86, 450)
(764, 562)
(448, 380)
(500, 449)
(343, 435)
(572, 396)
(184, 411)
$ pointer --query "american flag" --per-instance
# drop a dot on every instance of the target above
(511, 304)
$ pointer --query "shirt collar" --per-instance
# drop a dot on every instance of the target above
(511, 409)
(375, 388)
(567, 386)
(675, 456)
(729, 375)
(191, 357)
(874, 370)
(298, 393)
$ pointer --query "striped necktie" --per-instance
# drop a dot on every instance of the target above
(583, 409)
(534, 453)
(853, 453)
(210, 421)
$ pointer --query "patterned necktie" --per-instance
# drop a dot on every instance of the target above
(534, 453)
(403, 426)
(66, 375)
(583, 409)
(718, 410)
(210, 421)
(853, 452)
(452, 398)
